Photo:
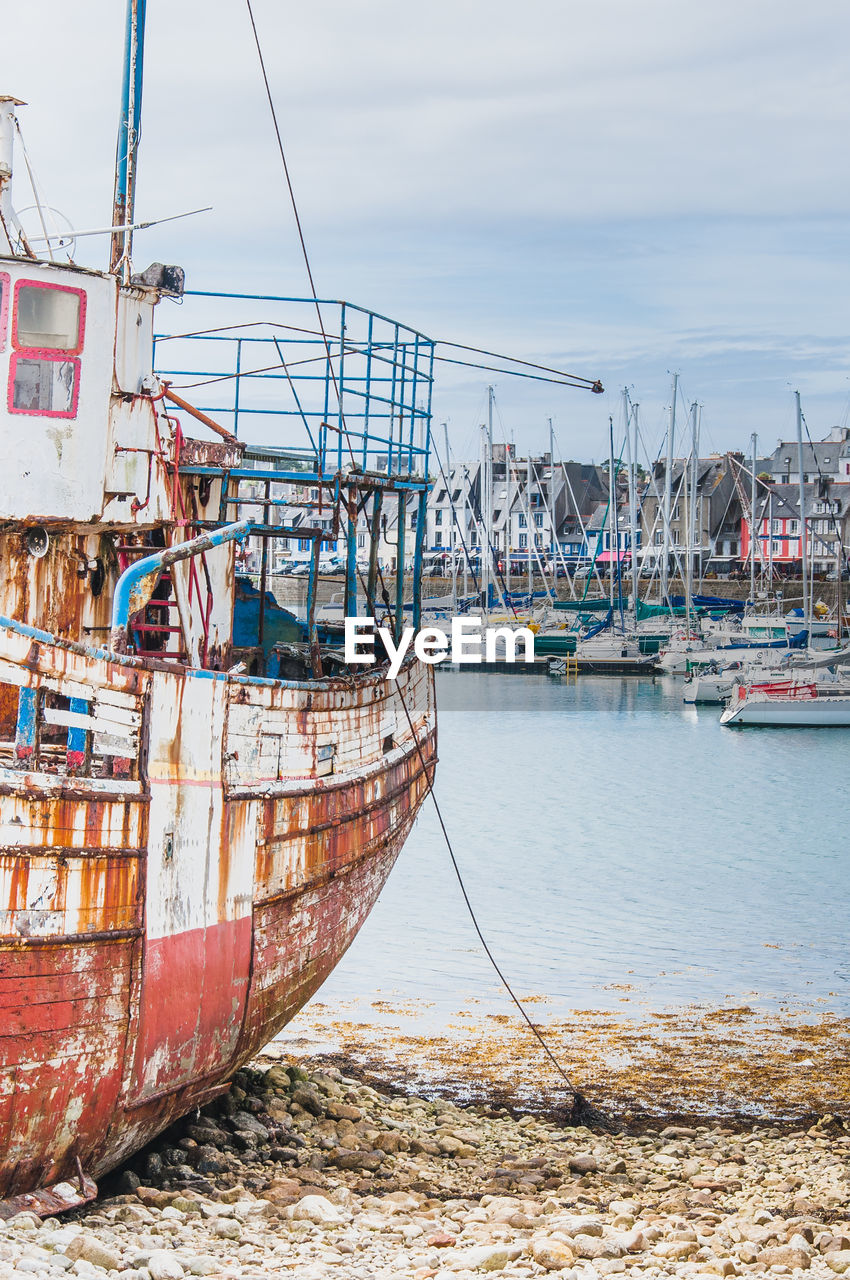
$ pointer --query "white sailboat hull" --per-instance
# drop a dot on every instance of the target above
(818, 712)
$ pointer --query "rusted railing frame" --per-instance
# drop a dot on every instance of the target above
(152, 566)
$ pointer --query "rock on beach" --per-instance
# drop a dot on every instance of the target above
(313, 1174)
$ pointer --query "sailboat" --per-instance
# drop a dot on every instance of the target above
(189, 845)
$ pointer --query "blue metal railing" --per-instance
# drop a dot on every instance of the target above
(359, 385)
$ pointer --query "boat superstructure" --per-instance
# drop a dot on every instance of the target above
(187, 845)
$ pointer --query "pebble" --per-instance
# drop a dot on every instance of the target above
(311, 1174)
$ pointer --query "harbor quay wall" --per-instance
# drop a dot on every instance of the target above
(291, 592)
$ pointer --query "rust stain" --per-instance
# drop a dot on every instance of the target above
(318, 857)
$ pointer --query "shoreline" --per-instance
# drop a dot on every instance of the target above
(698, 1064)
(304, 1169)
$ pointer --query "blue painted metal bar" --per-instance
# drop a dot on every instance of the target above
(312, 629)
(418, 549)
(351, 555)
(298, 477)
(76, 748)
(323, 302)
(25, 731)
(368, 392)
(399, 573)
(237, 387)
(129, 126)
(393, 400)
(340, 389)
(153, 565)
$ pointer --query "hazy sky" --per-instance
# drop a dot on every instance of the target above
(617, 188)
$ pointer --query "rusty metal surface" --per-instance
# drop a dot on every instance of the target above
(243, 848)
(48, 1201)
(210, 453)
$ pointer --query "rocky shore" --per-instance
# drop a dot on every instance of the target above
(314, 1174)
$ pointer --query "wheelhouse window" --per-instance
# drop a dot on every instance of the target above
(43, 386)
(47, 334)
(48, 318)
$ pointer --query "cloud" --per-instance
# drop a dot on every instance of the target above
(620, 188)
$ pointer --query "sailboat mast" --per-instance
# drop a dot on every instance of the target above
(452, 516)
(528, 520)
(490, 566)
(668, 490)
(127, 151)
(612, 506)
(753, 529)
(691, 490)
(804, 553)
(552, 501)
(632, 456)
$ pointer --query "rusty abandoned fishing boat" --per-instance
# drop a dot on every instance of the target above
(187, 844)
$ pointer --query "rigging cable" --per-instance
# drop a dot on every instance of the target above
(581, 1111)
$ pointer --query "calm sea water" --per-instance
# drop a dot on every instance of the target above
(610, 836)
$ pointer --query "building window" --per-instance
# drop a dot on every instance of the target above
(438, 517)
(523, 541)
(361, 540)
(659, 537)
(776, 526)
(794, 528)
(522, 521)
(438, 539)
(538, 520)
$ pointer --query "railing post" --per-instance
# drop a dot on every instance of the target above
(421, 516)
(351, 554)
(399, 574)
(312, 630)
(238, 385)
(374, 542)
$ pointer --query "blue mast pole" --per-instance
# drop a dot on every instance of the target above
(127, 150)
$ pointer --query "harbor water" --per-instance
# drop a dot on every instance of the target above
(670, 898)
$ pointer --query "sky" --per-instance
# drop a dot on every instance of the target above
(617, 189)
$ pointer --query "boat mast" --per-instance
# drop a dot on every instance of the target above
(692, 512)
(668, 492)
(632, 461)
(804, 554)
(452, 517)
(465, 525)
(753, 530)
(552, 503)
(612, 508)
(128, 140)
(528, 520)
